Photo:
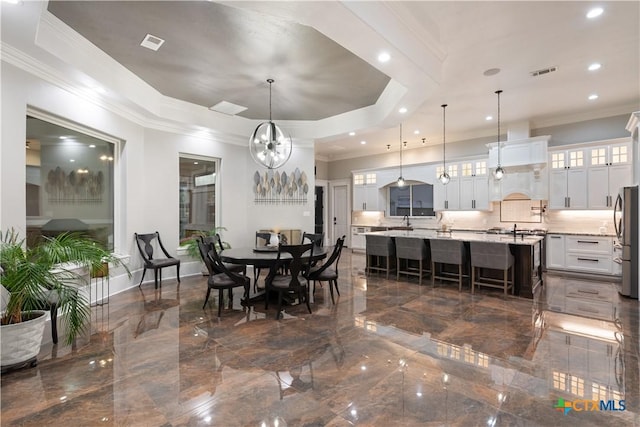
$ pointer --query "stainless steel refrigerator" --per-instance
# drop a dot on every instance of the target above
(625, 219)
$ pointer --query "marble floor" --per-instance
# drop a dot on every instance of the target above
(387, 353)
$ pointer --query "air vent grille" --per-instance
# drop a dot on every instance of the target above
(152, 42)
(543, 71)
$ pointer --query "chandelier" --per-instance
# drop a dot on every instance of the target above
(269, 146)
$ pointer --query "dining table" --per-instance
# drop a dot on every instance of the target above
(266, 257)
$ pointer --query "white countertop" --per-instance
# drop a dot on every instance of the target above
(464, 236)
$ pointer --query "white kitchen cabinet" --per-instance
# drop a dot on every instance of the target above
(366, 195)
(555, 251)
(567, 180)
(474, 186)
(447, 197)
(609, 169)
(358, 239)
(581, 253)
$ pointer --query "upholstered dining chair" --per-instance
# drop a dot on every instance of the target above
(293, 282)
(146, 243)
(220, 277)
(328, 272)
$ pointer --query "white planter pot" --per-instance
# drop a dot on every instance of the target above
(21, 341)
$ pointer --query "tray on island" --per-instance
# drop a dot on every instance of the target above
(265, 249)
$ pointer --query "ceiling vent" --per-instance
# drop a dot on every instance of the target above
(543, 71)
(152, 42)
(228, 108)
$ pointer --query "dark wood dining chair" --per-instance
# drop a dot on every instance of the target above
(146, 243)
(217, 240)
(328, 272)
(225, 279)
(294, 281)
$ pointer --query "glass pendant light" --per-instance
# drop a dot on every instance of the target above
(444, 177)
(498, 174)
(400, 178)
(269, 146)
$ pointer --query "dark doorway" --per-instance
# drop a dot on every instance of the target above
(319, 192)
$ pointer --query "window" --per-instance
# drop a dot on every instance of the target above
(411, 200)
(69, 185)
(197, 194)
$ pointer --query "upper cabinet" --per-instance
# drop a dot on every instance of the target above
(567, 179)
(609, 169)
(447, 197)
(474, 186)
(589, 176)
(530, 152)
(467, 190)
(366, 195)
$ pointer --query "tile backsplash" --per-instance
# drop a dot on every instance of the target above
(521, 213)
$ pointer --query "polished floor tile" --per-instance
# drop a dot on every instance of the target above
(387, 353)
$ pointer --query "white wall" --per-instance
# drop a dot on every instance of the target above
(146, 172)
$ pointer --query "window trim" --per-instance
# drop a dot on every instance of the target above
(119, 227)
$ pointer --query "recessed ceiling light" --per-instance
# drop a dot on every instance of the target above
(416, 132)
(402, 110)
(195, 163)
(363, 142)
(593, 96)
(384, 57)
(352, 133)
(488, 118)
(92, 146)
(152, 42)
(594, 66)
(72, 160)
(595, 12)
(63, 137)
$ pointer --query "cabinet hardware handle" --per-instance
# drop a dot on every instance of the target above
(588, 292)
(555, 237)
(588, 259)
(588, 241)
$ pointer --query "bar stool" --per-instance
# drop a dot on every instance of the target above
(444, 251)
(493, 256)
(411, 249)
(380, 248)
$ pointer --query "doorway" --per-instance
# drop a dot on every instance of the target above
(319, 210)
(340, 211)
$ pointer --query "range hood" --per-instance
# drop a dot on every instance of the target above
(524, 161)
(521, 154)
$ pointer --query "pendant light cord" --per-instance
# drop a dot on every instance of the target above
(270, 81)
(498, 92)
(400, 150)
(444, 157)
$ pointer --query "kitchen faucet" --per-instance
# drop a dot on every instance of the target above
(406, 218)
(515, 229)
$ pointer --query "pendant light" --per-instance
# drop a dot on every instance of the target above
(444, 177)
(400, 178)
(268, 145)
(498, 174)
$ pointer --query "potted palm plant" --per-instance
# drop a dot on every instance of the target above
(191, 243)
(31, 277)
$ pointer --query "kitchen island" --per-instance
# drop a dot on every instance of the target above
(526, 250)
